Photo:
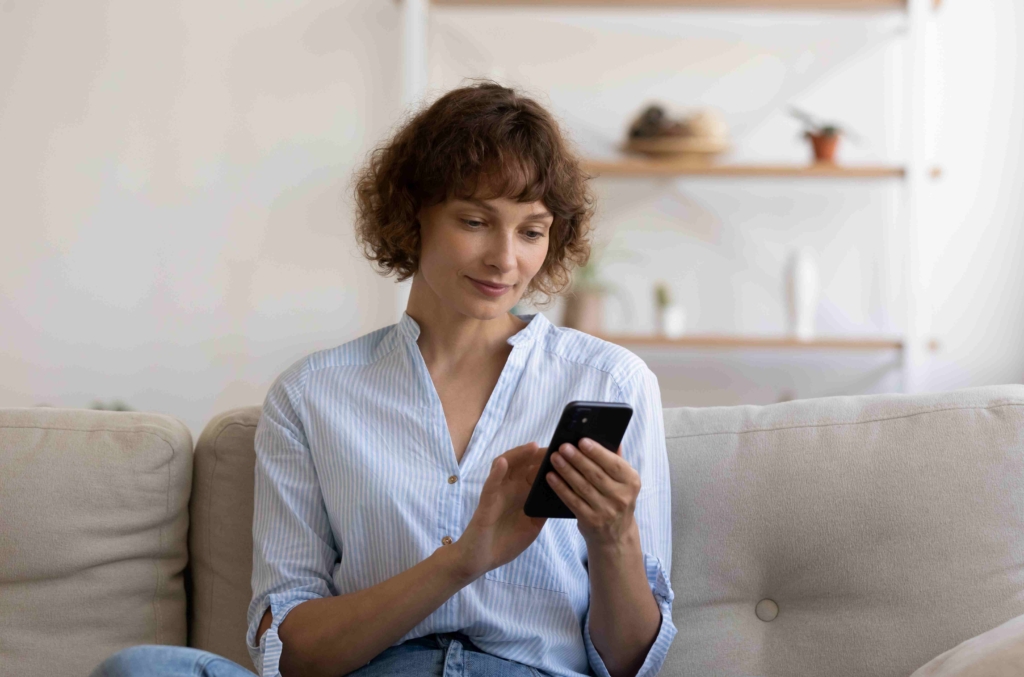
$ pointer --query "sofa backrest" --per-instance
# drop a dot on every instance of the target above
(220, 540)
(93, 522)
(844, 536)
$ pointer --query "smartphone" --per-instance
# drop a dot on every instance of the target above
(603, 422)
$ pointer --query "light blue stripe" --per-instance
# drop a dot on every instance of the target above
(352, 464)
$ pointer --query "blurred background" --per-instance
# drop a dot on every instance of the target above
(177, 220)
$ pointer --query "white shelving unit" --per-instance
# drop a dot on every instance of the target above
(912, 346)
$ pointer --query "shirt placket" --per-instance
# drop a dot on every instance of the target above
(476, 462)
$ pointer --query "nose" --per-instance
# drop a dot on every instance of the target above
(501, 252)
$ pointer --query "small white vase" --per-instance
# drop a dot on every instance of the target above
(802, 292)
(671, 321)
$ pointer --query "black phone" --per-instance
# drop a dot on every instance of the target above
(603, 422)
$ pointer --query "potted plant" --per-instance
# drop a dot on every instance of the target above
(824, 136)
(584, 305)
(670, 318)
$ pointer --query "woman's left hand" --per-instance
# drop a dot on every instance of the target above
(600, 488)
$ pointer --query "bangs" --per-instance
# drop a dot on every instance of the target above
(516, 178)
(505, 152)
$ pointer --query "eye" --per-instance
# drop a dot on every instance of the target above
(534, 234)
(473, 223)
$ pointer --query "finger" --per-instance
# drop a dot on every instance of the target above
(580, 484)
(520, 454)
(614, 465)
(594, 473)
(520, 459)
(498, 468)
(579, 507)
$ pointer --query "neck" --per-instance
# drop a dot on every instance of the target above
(448, 335)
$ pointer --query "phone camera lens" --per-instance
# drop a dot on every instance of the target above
(584, 420)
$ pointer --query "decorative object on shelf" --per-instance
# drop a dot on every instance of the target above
(698, 137)
(584, 310)
(824, 136)
(802, 292)
(584, 304)
(669, 319)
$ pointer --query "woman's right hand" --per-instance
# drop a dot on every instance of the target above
(499, 529)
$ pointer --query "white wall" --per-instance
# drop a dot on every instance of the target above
(176, 226)
(174, 181)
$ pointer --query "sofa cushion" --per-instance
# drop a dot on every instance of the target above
(844, 535)
(220, 539)
(996, 653)
(93, 529)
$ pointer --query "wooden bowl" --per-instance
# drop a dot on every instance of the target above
(676, 146)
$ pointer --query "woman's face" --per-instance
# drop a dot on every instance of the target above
(478, 256)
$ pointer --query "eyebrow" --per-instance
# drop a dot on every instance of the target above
(539, 216)
(536, 216)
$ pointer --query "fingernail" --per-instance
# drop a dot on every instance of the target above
(556, 459)
(586, 443)
(567, 450)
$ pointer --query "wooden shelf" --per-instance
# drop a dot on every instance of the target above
(707, 4)
(643, 167)
(861, 5)
(733, 342)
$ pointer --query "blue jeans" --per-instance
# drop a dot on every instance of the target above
(444, 655)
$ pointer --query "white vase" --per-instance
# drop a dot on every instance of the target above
(671, 321)
(802, 292)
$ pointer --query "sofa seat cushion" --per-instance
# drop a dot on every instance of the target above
(93, 529)
(844, 536)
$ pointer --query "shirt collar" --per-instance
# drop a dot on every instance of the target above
(536, 324)
(408, 327)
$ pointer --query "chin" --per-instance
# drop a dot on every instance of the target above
(482, 309)
(489, 313)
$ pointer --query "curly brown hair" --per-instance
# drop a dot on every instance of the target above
(481, 137)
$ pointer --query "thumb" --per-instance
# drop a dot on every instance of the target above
(494, 478)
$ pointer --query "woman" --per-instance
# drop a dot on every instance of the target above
(389, 532)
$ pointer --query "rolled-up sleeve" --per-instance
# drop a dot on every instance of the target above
(294, 550)
(644, 448)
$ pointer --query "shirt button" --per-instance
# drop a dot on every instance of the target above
(453, 479)
(447, 540)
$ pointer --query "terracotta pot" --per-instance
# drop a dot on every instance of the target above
(824, 146)
(584, 310)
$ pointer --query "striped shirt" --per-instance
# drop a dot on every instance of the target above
(357, 481)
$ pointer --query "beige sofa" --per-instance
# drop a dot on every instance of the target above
(841, 536)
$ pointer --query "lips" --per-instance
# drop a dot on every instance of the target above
(490, 288)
